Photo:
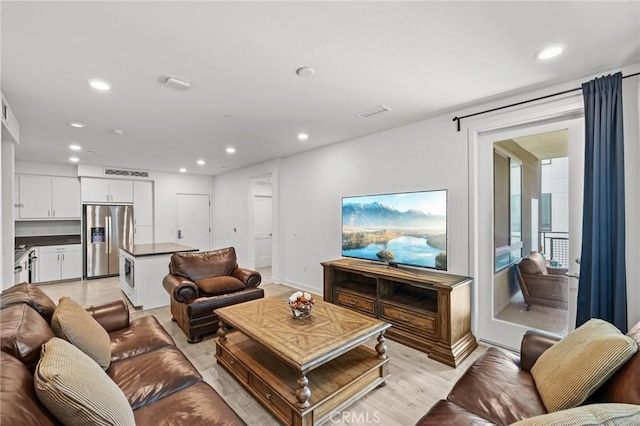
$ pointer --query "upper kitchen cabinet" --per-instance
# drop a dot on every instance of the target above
(49, 197)
(96, 190)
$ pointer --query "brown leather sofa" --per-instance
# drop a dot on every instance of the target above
(200, 282)
(541, 285)
(499, 388)
(160, 383)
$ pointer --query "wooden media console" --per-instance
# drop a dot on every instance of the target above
(429, 311)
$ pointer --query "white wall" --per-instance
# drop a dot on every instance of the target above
(47, 169)
(233, 213)
(555, 181)
(166, 186)
(430, 154)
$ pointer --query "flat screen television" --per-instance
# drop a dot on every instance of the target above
(407, 228)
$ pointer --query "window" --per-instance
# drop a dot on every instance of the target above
(545, 212)
(507, 188)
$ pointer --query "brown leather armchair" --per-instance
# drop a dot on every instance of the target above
(200, 282)
(541, 285)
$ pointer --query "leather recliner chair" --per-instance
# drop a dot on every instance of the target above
(200, 282)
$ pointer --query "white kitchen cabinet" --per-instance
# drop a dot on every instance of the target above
(142, 234)
(96, 190)
(49, 197)
(21, 271)
(61, 262)
(143, 203)
(65, 198)
(143, 212)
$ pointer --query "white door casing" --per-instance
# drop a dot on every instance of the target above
(488, 328)
(193, 225)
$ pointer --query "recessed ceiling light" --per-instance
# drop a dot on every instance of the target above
(231, 150)
(118, 132)
(303, 136)
(74, 159)
(183, 170)
(305, 72)
(550, 52)
(99, 85)
(77, 124)
(200, 162)
(75, 147)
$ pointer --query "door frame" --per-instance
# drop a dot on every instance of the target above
(175, 215)
(480, 237)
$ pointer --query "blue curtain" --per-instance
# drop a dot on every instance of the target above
(602, 290)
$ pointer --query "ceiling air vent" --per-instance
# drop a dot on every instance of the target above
(121, 172)
(373, 111)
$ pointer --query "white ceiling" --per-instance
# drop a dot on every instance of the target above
(419, 58)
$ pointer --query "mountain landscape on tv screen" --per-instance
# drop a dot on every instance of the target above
(378, 231)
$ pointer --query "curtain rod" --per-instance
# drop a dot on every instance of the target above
(458, 119)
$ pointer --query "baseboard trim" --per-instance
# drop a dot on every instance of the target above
(303, 287)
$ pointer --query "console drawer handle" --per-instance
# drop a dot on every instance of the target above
(268, 396)
(232, 362)
(352, 302)
(402, 317)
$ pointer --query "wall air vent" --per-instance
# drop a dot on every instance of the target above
(131, 173)
(373, 111)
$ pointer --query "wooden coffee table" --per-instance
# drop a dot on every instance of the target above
(301, 370)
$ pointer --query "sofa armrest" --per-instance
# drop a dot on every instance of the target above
(180, 288)
(534, 343)
(111, 316)
(247, 276)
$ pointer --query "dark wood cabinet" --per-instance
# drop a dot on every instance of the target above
(429, 311)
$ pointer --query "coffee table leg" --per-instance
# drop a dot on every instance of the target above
(222, 332)
(303, 393)
(381, 348)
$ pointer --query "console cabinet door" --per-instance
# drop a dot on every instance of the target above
(35, 197)
(65, 198)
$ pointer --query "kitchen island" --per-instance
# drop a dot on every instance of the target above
(142, 268)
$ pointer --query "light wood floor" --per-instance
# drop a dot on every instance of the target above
(416, 382)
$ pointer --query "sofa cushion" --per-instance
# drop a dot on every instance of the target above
(624, 385)
(198, 404)
(572, 369)
(153, 375)
(533, 263)
(32, 296)
(199, 265)
(143, 335)
(76, 390)
(220, 285)
(18, 402)
(22, 333)
(594, 414)
(447, 413)
(496, 389)
(74, 324)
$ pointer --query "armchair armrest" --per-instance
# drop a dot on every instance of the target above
(182, 289)
(111, 316)
(534, 343)
(557, 271)
(247, 276)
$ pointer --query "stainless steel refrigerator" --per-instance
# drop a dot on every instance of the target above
(107, 229)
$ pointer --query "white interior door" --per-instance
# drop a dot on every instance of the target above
(193, 224)
(262, 210)
(490, 328)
